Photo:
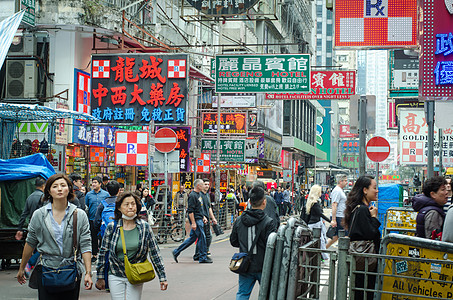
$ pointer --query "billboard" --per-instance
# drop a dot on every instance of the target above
(324, 85)
(234, 101)
(436, 64)
(230, 123)
(135, 88)
(258, 73)
(405, 71)
(222, 8)
(230, 150)
(371, 24)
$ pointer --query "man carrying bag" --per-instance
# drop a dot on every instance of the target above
(250, 232)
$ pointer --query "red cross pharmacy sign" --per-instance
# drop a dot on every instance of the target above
(131, 148)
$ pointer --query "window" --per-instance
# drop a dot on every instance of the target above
(329, 30)
(319, 27)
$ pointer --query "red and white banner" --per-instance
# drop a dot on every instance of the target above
(325, 85)
(83, 92)
(345, 132)
(131, 148)
(204, 163)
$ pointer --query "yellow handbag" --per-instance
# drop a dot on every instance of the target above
(136, 273)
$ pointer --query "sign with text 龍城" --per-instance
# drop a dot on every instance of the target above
(324, 85)
(258, 73)
(138, 88)
(436, 59)
(230, 150)
(230, 123)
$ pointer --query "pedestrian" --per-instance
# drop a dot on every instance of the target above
(338, 206)
(113, 188)
(253, 223)
(140, 244)
(50, 232)
(138, 190)
(287, 200)
(93, 198)
(429, 205)
(76, 180)
(449, 193)
(181, 198)
(121, 188)
(209, 215)
(271, 209)
(147, 199)
(365, 226)
(278, 197)
(197, 221)
(105, 180)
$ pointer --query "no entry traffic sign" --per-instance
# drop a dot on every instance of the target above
(165, 140)
(377, 149)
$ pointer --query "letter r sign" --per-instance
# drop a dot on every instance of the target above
(376, 8)
(131, 148)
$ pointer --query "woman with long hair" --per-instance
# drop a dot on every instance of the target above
(360, 218)
(140, 243)
(314, 211)
(51, 232)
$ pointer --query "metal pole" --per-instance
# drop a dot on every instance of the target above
(362, 135)
(165, 180)
(430, 122)
(440, 152)
(377, 182)
(342, 276)
(151, 154)
(217, 166)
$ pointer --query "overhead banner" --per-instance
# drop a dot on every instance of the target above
(137, 88)
(376, 24)
(257, 73)
(230, 150)
(436, 58)
(230, 123)
(324, 85)
(414, 139)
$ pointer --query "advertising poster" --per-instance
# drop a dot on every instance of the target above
(230, 123)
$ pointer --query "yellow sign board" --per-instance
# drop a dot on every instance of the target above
(419, 272)
(401, 219)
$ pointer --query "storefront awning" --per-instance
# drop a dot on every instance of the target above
(196, 74)
(27, 112)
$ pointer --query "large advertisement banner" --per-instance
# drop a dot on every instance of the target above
(436, 66)
(230, 123)
(379, 23)
(137, 88)
(414, 139)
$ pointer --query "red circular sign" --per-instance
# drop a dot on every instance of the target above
(165, 140)
(378, 149)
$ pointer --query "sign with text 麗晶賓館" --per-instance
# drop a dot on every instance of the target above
(230, 150)
(289, 73)
(137, 88)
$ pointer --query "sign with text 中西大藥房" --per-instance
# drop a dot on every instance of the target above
(436, 58)
(230, 123)
(230, 150)
(324, 85)
(137, 88)
(259, 73)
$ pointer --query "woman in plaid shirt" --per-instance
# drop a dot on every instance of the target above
(139, 240)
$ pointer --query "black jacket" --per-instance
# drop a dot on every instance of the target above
(364, 227)
(272, 210)
(32, 203)
(81, 197)
(244, 231)
(316, 214)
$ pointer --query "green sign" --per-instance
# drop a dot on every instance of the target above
(29, 16)
(230, 150)
(288, 73)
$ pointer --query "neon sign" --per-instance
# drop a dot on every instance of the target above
(444, 69)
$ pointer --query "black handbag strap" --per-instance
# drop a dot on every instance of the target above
(353, 217)
(74, 233)
(255, 240)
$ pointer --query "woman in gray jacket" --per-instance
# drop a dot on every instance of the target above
(50, 232)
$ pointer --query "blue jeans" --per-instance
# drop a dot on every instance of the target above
(246, 283)
(194, 235)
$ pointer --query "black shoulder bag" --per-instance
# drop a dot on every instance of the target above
(240, 262)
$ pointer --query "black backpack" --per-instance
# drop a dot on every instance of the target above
(303, 215)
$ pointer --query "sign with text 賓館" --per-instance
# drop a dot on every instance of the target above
(137, 88)
(258, 73)
(230, 123)
(436, 57)
(230, 150)
(324, 85)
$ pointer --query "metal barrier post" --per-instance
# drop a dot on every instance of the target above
(342, 277)
(277, 262)
(267, 266)
(283, 278)
(294, 262)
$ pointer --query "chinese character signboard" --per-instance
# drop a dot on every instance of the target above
(183, 146)
(378, 23)
(258, 73)
(29, 16)
(101, 136)
(230, 150)
(436, 59)
(187, 180)
(135, 88)
(230, 123)
(345, 132)
(82, 91)
(414, 139)
(325, 85)
(350, 153)
(222, 8)
(405, 71)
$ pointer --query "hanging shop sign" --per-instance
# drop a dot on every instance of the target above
(350, 153)
(345, 132)
(183, 146)
(251, 150)
(222, 7)
(97, 154)
(187, 180)
(395, 105)
(29, 16)
(404, 73)
(372, 24)
(258, 73)
(253, 121)
(135, 88)
(228, 101)
(101, 136)
(131, 148)
(436, 59)
(269, 150)
(230, 123)
(82, 92)
(414, 139)
(324, 85)
(230, 150)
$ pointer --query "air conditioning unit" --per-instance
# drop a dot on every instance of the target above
(25, 47)
(21, 79)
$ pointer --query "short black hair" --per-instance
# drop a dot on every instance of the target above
(97, 178)
(113, 187)
(119, 201)
(121, 185)
(433, 184)
(39, 181)
(258, 183)
(256, 196)
(74, 177)
(105, 178)
(139, 186)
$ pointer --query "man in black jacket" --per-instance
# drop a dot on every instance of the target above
(245, 229)
(76, 180)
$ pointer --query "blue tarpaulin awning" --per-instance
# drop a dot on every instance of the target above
(25, 167)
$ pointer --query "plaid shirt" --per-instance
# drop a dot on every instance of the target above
(110, 240)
